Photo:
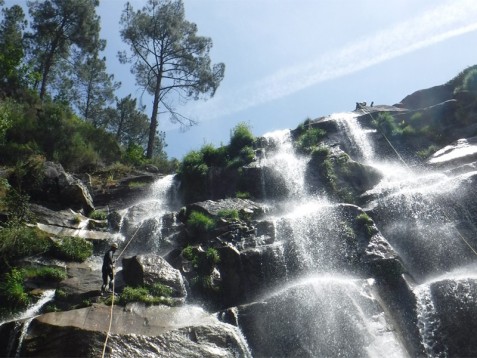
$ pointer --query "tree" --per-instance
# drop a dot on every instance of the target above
(84, 83)
(128, 124)
(57, 26)
(11, 45)
(170, 61)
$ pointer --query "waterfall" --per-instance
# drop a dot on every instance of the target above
(323, 316)
(22, 321)
(358, 141)
(330, 313)
(444, 306)
(283, 158)
(145, 220)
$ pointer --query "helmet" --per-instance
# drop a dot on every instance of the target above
(114, 245)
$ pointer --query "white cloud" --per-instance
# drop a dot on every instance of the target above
(454, 18)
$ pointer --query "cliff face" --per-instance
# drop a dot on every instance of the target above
(352, 246)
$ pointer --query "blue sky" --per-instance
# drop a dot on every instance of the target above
(288, 60)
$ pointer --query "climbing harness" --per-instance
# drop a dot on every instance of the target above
(113, 294)
(407, 166)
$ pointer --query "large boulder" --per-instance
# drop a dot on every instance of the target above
(136, 331)
(62, 189)
(149, 269)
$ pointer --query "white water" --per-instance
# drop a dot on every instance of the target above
(331, 316)
(284, 159)
(33, 309)
(359, 137)
(429, 323)
(422, 227)
(26, 316)
(345, 318)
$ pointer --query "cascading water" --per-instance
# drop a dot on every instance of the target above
(144, 220)
(283, 158)
(443, 304)
(22, 321)
(331, 313)
(428, 218)
(358, 140)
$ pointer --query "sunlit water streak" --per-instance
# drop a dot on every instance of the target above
(291, 166)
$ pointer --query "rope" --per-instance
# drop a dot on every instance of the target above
(402, 160)
(112, 296)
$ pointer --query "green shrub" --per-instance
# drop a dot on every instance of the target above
(12, 292)
(160, 290)
(135, 294)
(469, 82)
(242, 195)
(73, 249)
(98, 215)
(45, 273)
(17, 206)
(18, 241)
(203, 264)
(320, 153)
(144, 295)
(426, 153)
(8, 113)
(241, 137)
(387, 124)
(230, 214)
(214, 157)
(212, 256)
(366, 223)
(134, 155)
(199, 222)
(309, 140)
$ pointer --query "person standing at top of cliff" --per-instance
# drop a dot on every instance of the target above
(108, 268)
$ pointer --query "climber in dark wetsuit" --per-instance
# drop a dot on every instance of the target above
(108, 268)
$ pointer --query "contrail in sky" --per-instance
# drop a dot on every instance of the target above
(453, 19)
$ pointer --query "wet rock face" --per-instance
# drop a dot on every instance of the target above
(454, 301)
(149, 269)
(321, 317)
(160, 331)
(461, 152)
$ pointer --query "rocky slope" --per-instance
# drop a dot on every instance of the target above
(224, 308)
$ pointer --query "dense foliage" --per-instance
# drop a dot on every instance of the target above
(195, 166)
(56, 95)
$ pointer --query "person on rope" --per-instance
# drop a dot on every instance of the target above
(108, 268)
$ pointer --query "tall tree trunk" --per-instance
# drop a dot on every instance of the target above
(155, 109)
